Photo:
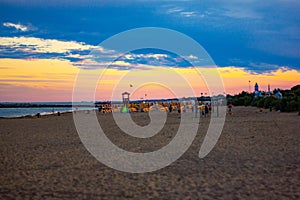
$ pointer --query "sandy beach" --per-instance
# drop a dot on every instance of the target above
(256, 157)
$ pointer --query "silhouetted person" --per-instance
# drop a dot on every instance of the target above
(230, 109)
(206, 108)
(170, 108)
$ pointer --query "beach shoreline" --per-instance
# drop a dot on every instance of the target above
(257, 156)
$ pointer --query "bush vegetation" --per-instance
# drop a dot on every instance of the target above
(290, 101)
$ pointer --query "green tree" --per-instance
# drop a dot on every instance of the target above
(260, 103)
(247, 100)
(289, 103)
(268, 102)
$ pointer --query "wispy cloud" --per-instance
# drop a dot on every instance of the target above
(33, 47)
(155, 56)
(188, 14)
(256, 68)
(238, 12)
(174, 10)
(39, 45)
(193, 57)
(88, 56)
(18, 26)
(138, 61)
(185, 11)
(264, 67)
(82, 54)
(91, 64)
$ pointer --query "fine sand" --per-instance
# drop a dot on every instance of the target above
(256, 157)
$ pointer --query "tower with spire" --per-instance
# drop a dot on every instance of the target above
(269, 90)
(257, 93)
(256, 87)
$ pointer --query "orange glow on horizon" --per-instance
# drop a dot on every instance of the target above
(53, 80)
(236, 80)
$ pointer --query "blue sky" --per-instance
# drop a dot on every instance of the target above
(256, 35)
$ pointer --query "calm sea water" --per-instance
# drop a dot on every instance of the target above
(19, 112)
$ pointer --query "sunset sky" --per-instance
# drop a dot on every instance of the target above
(43, 45)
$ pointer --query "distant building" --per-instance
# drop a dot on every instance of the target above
(270, 93)
(256, 87)
(278, 95)
(257, 93)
